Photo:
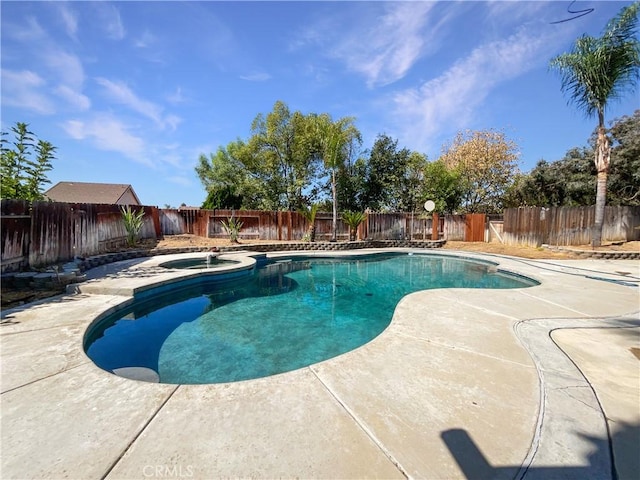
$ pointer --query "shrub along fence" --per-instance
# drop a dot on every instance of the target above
(45, 233)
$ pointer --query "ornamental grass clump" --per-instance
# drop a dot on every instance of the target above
(133, 222)
(232, 228)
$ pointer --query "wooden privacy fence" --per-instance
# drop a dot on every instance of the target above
(401, 226)
(45, 233)
(256, 224)
(535, 226)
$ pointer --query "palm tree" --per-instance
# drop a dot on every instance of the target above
(335, 139)
(596, 71)
(353, 219)
(309, 214)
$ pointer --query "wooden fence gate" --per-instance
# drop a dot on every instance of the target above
(474, 227)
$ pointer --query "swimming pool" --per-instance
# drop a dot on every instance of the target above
(291, 313)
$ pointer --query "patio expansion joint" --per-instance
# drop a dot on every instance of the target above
(564, 307)
(361, 424)
(137, 435)
(46, 377)
(465, 350)
(31, 330)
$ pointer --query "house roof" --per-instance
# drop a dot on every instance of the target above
(81, 192)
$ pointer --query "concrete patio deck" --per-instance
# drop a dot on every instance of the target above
(539, 382)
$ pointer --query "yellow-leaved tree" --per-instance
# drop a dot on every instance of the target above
(486, 163)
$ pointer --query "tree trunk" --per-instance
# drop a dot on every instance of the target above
(601, 197)
(335, 206)
(602, 160)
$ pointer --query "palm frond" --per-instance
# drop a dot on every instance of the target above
(599, 70)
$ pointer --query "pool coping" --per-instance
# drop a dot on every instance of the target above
(563, 393)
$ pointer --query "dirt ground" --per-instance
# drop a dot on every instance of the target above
(495, 248)
(13, 297)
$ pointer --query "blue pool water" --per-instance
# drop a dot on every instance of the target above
(288, 315)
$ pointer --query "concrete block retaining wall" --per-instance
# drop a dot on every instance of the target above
(72, 272)
(611, 255)
(98, 260)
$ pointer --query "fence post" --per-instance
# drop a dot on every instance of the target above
(435, 222)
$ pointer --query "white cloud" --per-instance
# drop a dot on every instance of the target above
(514, 13)
(180, 180)
(110, 20)
(66, 66)
(30, 90)
(256, 77)
(108, 133)
(383, 49)
(73, 97)
(177, 97)
(69, 18)
(31, 32)
(24, 89)
(452, 99)
(121, 93)
(145, 40)
(172, 121)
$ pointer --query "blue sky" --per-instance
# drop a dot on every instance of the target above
(134, 92)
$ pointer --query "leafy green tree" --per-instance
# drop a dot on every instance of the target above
(222, 198)
(350, 181)
(280, 155)
(275, 169)
(36, 171)
(569, 181)
(385, 172)
(624, 176)
(227, 180)
(566, 182)
(486, 162)
(442, 186)
(23, 176)
(596, 71)
(410, 193)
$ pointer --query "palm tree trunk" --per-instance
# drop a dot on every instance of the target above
(602, 160)
(601, 197)
(335, 205)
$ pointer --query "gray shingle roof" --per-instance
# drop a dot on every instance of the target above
(81, 192)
